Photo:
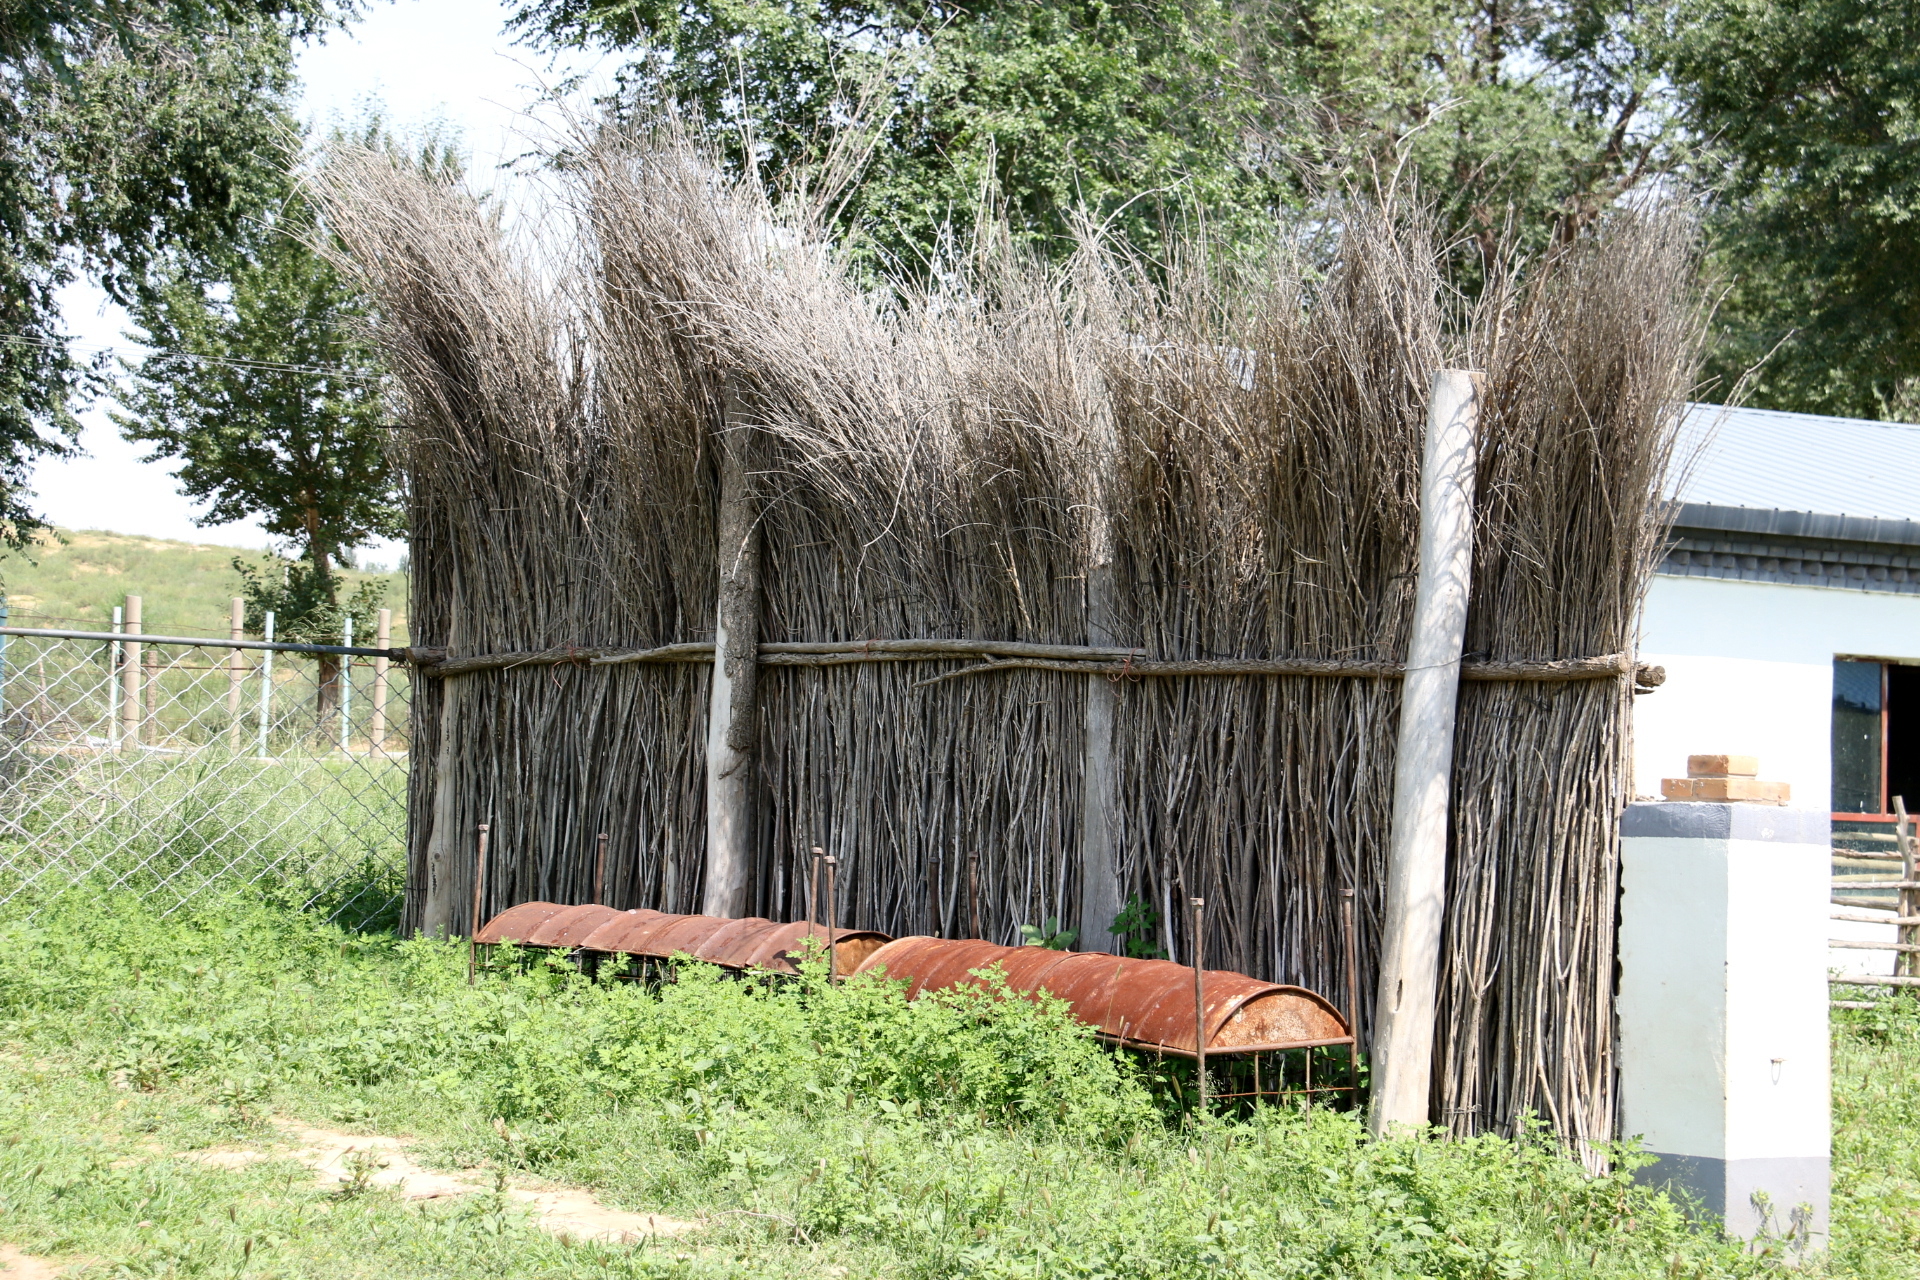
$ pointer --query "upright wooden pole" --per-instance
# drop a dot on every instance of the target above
(1423, 769)
(973, 894)
(1099, 788)
(437, 901)
(600, 870)
(236, 671)
(1906, 963)
(131, 674)
(734, 712)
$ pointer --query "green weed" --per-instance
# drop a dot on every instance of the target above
(810, 1124)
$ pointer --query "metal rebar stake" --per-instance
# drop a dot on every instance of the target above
(1200, 998)
(479, 888)
(832, 864)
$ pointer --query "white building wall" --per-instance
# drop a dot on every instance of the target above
(1750, 672)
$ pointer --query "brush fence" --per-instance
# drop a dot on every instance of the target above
(1102, 574)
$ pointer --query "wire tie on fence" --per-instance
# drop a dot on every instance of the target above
(1125, 672)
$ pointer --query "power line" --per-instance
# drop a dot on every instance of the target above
(236, 362)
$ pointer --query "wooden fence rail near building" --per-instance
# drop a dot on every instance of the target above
(1905, 919)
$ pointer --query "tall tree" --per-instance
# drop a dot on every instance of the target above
(1527, 116)
(264, 385)
(1813, 108)
(133, 134)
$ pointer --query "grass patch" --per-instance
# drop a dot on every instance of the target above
(817, 1130)
(73, 579)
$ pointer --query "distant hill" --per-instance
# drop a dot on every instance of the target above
(74, 578)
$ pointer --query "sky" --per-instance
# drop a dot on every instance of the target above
(421, 60)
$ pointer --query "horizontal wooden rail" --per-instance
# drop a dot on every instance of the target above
(1859, 944)
(1866, 919)
(998, 655)
(1834, 980)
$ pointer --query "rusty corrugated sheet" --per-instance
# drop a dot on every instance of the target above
(1145, 1004)
(750, 943)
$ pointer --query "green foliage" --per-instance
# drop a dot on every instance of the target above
(1153, 113)
(133, 136)
(1137, 925)
(264, 384)
(1814, 110)
(1876, 1120)
(813, 1126)
(306, 602)
(1049, 935)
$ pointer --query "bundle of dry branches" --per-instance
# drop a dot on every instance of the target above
(1210, 459)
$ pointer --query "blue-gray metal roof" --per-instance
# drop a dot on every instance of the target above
(1773, 461)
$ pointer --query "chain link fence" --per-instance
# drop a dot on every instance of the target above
(191, 766)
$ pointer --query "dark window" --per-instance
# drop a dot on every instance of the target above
(1859, 703)
(1903, 734)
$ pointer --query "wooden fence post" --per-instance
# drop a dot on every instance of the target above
(734, 713)
(1404, 1008)
(130, 673)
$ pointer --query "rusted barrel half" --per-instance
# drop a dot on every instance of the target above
(1143, 1004)
(750, 943)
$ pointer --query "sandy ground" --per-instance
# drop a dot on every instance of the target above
(381, 1161)
(15, 1265)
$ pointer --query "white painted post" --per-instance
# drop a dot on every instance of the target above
(377, 723)
(115, 657)
(1723, 1009)
(131, 694)
(346, 684)
(236, 671)
(266, 687)
(1423, 769)
(734, 710)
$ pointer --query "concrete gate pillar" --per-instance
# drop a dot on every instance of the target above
(1723, 1008)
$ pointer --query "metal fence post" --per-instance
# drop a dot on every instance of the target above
(236, 672)
(114, 659)
(346, 684)
(130, 678)
(377, 723)
(3, 665)
(150, 697)
(266, 686)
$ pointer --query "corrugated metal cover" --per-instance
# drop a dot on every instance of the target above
(1798, 462)
(1147, 1004)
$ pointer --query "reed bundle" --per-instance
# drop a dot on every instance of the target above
(1211, 461)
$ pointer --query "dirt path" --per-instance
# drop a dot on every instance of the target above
(15, 1265)
(381, 1161)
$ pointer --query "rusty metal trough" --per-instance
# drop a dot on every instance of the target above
(1142, 1004)
(751, 943)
